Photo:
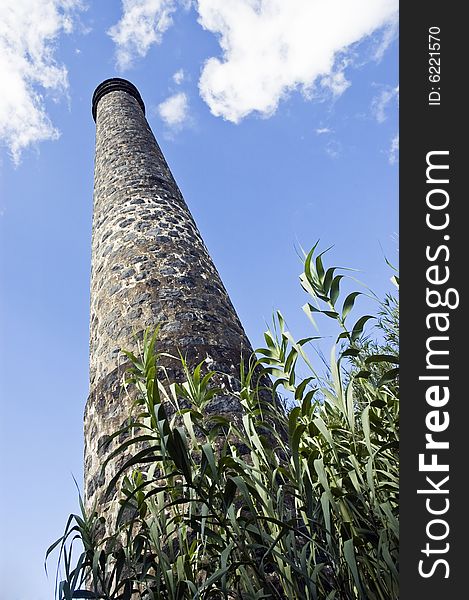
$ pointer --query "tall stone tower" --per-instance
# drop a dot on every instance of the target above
(149, 266)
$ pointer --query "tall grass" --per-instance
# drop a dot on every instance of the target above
(280, 503)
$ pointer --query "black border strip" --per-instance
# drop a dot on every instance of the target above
(433, 272)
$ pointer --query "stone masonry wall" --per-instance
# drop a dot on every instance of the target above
(149, 266)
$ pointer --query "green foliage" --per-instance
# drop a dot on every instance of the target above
(273, 504)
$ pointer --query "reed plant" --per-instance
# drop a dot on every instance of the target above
(293, 500)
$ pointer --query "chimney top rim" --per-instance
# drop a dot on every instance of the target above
(112, 85)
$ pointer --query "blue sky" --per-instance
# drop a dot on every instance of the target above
(279, 121)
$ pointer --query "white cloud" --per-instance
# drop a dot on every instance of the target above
(322, 130)
(381, 102)
(174, 110)
(333, 149)
(178, 77)
(142, 24)
(394, 150)
(29, 30)
(389, 35)
(335, 82)
(271, 47)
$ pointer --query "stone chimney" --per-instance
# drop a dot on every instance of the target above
(149, 267)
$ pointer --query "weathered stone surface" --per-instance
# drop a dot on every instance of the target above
(149, 266)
